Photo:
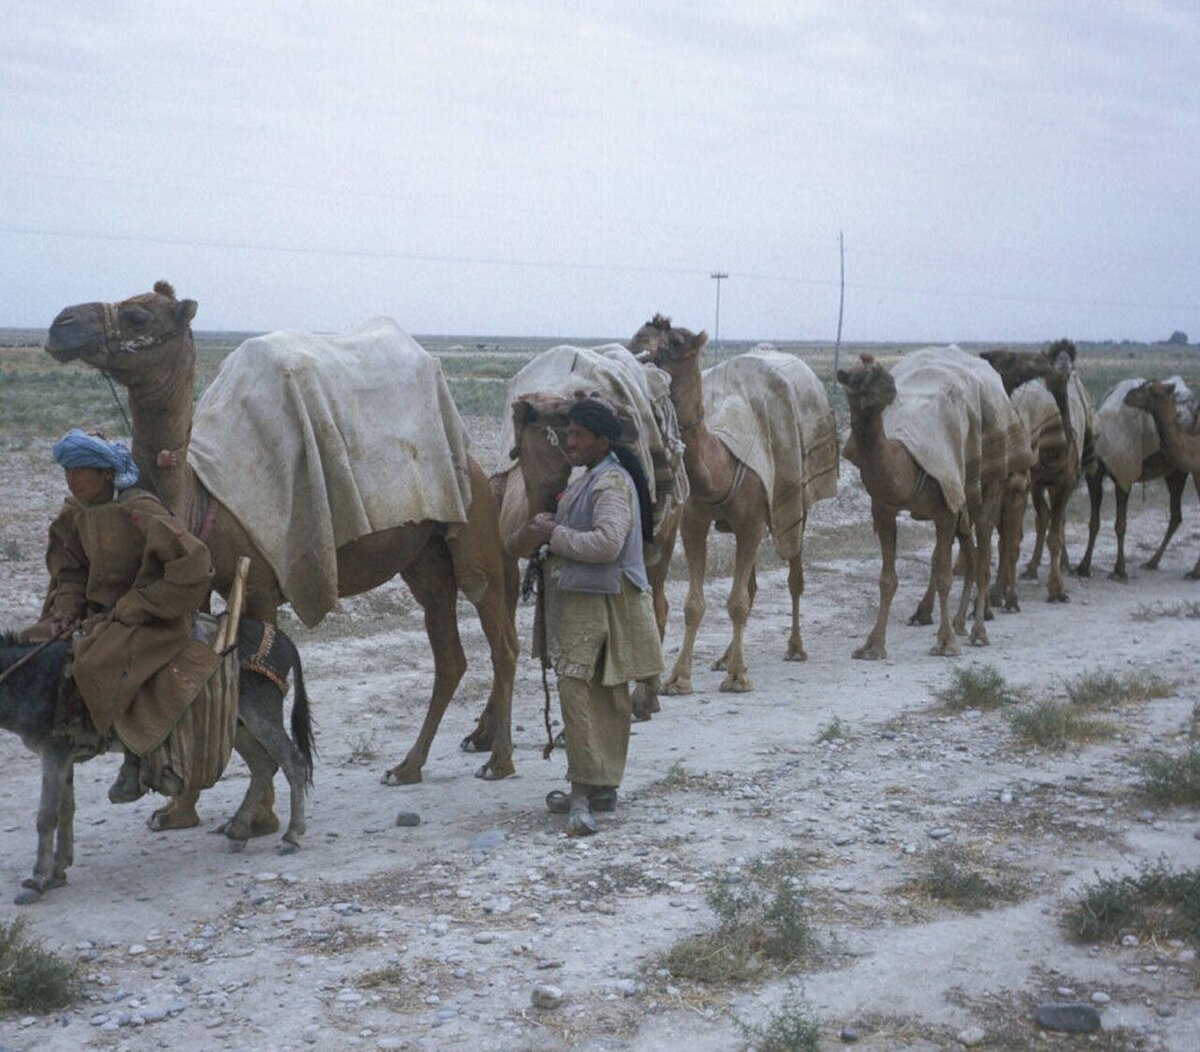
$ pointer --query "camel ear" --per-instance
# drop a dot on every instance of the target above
(1170, 389)
(523, 413)
(988, 356)
(700, 339)
(185, 311)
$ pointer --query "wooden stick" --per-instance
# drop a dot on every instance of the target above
(227, 634)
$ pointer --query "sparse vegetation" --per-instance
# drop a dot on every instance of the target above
(761, 921)
(1098, 689)
(1170, 779)
(792, 1028)
(976, 687)
(834, 730)
(32, 979)
(952, 877)
(1054, 725)
(1157, 902)
(362, 750)
(10, 551)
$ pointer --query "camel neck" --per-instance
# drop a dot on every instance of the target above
(160, 408)
(1180, 449)
(708, 464)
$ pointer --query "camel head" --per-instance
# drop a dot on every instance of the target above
(1017, 367)
(540, 445)
(1061, 355)
(868, 385)
(1152, 395)
(664, 345)
(124, 339)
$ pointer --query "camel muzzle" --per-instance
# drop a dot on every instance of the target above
(76, 333)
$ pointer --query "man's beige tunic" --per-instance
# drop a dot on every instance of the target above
(132, 570)
(599, 643)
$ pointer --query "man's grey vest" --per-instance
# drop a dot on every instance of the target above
(575, 511)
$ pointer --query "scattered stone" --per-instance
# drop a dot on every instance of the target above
(1129, 940)
(1006, 796)
(842, 839)
(547, 996)
(136, 949)
(940, 833)
(971, 1037)
(1165, 1011)
(484, 937)
(848, 1034)
(1065, 992)
(266, 877)
(487, 841)
(1073, 1018)
(1100, 998)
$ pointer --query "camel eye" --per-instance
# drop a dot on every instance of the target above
(135, 317)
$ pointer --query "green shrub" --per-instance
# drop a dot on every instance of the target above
(975, 687)
(1172, 779)
(1157, 902)
(32, 979)
(1052, 725)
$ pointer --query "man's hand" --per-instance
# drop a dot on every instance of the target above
(541, 526)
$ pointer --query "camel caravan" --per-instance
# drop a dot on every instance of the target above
(336, 463)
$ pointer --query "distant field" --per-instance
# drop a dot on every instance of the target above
(39, 398)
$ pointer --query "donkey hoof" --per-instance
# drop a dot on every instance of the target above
(287, 847)
(237, 845)
(27, 896)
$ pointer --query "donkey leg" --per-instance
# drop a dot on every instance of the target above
(56, 770)
(247, 822)
(694, 532)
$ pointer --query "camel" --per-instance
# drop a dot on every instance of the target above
(729, 493)
(29, 697)
(978, 427)
(1181, 448)
(1128, 451)
(1060, 466)
(145, 344)
(1016, 369)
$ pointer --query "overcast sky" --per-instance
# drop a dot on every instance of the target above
(1001, 169)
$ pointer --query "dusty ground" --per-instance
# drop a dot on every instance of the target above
(434, 937)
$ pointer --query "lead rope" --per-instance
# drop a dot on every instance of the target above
(534, 586)
(121, 408)
(61, 634)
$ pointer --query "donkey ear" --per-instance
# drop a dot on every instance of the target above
(185, 311)
(700, 339)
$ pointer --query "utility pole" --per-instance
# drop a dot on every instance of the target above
(718, 276)
(837, 350)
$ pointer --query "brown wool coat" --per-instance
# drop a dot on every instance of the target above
(132, 570)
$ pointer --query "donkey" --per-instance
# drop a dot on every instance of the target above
(27, 703)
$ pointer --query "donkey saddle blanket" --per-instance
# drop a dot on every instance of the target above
(314, 441)
(772, 413)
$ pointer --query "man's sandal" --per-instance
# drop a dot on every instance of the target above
(559, 803)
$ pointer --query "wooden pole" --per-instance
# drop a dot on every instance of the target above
(227, 635)
(837, 350)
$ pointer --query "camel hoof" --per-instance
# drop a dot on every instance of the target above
(642, 715)
(171, 817)
(1192, 575)
(1029, 575)
(720, 665)
(236, 846)
(477, 742)
(921, 618)
(1122, 577)
(979, 639)
(1082, 571)
(1062, 597)
(287, 847)
(871, 652)
(950, 649)
(1151, 565)
(736, 684)
(677, 687)
(27, 896)
(402, 774)
(494, 770)
(959, 630)
(796, 654)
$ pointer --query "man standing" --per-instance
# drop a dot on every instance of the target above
(601, 631)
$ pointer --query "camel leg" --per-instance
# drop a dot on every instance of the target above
(943, 575)
(1095, 485)
(795, 648)
(430, 578)
(923, 615)
(57, 801)
(875, 648)
(983, 566)
(645, 695)
(741, 599)
(1119, 572)
(480, 739)
(722, 663)
(1011, 516)
(500, 629)
(1056, 591)
(1194, 573)
(694, 532)
(1176, 481)
(1030, 572)
(969, 558)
